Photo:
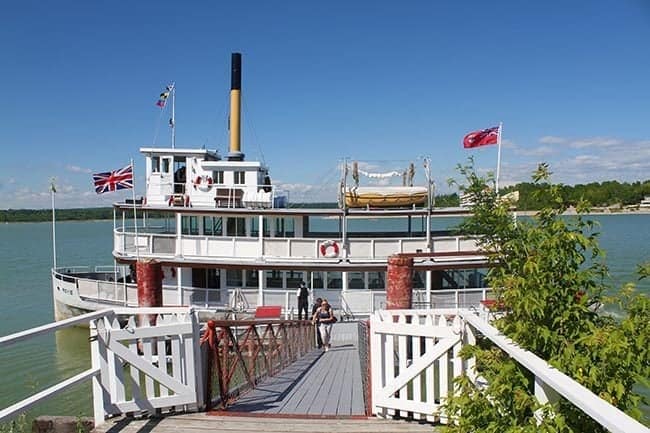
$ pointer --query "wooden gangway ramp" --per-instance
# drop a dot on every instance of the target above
(202, 422)
(322, 391)
(320, 383)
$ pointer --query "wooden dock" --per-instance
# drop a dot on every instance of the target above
(322, 390)
(202, 422)
(320, 383)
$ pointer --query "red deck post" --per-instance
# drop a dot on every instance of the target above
(149, 275)
(399, 290)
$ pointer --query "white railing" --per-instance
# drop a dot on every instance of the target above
(406, 378)
(415, 358)
(54, 390)
(205, 247)
(133, 367)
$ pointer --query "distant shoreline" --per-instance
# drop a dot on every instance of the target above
(593, 212)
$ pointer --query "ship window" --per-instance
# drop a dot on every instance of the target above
(251, 278)
(234, 278)
(240, 178)
(214, 280)
(356, 281)
(155, 164)
(235, 226)
(217, 177)
(285, 227)
(294, 278)
(190, 225)
(317, 280)
(166, 164)
(418, 279)
(255, 231)
(376, 281)
(212, 226)
(334, 280)
(273, 279)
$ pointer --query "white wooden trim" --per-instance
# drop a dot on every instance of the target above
(610, 417)
(50, 392)
(51, 327)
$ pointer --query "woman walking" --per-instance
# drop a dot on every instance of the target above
(325, 317)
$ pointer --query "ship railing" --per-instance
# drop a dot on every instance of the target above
(415, 357)
(366, 302)
(203, 247)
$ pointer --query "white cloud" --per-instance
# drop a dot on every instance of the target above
(551, 139)
(76, 169)
(595, 142)
(541, 151)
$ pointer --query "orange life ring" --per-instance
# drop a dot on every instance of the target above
(329, 249)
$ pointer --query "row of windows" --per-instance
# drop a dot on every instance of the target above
(239, 177)
(274, 279)
(163, 165)
(235, 226)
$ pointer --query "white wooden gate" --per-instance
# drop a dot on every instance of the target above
(144, 368)
(414, 357)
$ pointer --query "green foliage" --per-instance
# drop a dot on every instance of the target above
(19, 424)
(607, 193)
(549, 278)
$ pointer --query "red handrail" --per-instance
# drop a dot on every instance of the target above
(243, 352)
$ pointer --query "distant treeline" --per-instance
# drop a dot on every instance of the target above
(608, 193)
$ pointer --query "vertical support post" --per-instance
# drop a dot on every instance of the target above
(149, 276)
(98, 389)
(544, 394)
(399, 289)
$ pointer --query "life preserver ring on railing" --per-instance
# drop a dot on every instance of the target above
(204, 183)
(329, 249)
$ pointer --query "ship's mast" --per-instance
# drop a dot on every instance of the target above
(172, 121)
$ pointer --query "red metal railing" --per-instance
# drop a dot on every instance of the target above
(242, 352)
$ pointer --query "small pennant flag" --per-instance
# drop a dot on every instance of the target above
(162, 99)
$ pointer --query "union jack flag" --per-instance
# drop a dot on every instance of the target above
(114, 180)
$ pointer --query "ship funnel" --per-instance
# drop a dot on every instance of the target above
(235, 153)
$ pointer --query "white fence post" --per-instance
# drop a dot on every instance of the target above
(96, 362)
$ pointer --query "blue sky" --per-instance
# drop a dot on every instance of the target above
(381, 82)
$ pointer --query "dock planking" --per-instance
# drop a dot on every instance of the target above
(320, 383)
(202, 422)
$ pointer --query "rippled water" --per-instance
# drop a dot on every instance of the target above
(25, 294)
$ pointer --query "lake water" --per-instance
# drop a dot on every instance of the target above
(25, 294)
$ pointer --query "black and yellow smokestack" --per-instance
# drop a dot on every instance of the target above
(235, 109)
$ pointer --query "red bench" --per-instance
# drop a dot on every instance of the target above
(268, 312)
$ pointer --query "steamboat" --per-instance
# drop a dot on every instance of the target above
(229, 240)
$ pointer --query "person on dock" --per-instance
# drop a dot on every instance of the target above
(303, 300)
(325, 317)
(317, 304)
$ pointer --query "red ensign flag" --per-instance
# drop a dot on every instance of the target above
(481, 138)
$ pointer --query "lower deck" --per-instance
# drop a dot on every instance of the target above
(91, 289)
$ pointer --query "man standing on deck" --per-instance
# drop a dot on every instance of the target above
(303, 300)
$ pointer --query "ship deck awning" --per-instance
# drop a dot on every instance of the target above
(419, 264)
(299, 211)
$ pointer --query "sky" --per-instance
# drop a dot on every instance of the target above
(384, 83)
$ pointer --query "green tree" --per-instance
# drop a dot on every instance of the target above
(549, 278)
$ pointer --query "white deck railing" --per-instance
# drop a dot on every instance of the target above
(415, 358)
(205, 247)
